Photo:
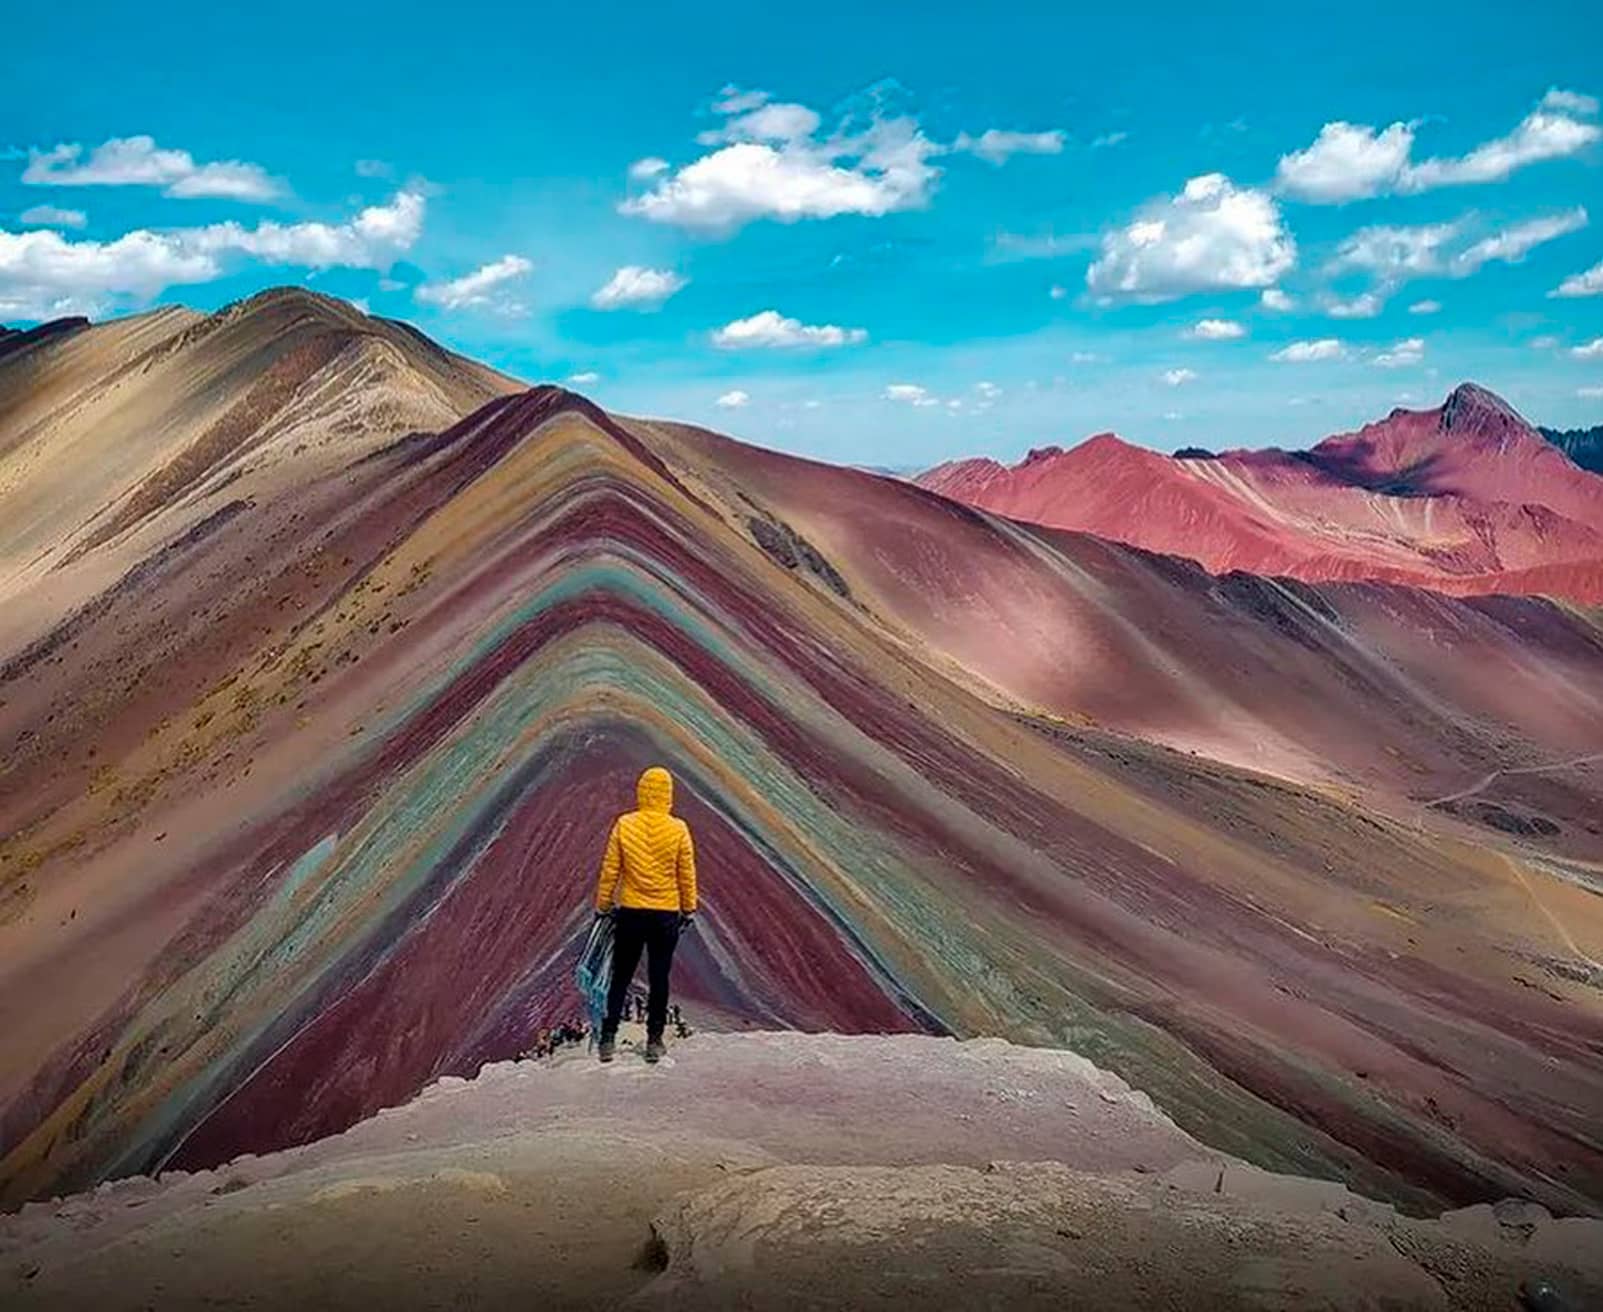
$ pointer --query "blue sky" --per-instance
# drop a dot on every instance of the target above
(892, 236)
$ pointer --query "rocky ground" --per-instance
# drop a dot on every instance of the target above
(777, 1171)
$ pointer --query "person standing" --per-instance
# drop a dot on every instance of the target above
(648, 886)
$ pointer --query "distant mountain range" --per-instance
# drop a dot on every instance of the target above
(1582, 445)
(1466, 498)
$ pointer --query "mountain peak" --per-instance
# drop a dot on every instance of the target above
(1474, 407)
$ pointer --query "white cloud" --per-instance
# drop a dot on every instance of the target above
(1512, 244)
(997, 146)
(1109, 139)
(769, 328)
(1058, 292)
(910, 394)
(372, 240)
(1275, 299)
(1352, 161)
(139, 162)
(781, 121)
(373, 168)
(1325, 348)
(633, 285)
(44, 271)
(1178, 377)
(360, 303)
(53, 216)
(1084, 357)
(1592, 350)
(988, 391)
(643, 170)
(733, 400)
(43, 274)
(1212, 236)
(1215, 330)
(1393, 253)
(1569, 102)
(1347, 161)
(1425, 307)
(1587, 283)
(584, 378)
(1172, 415)
(774, 163)
(1546, 342)
(1364, 306)
(484, 287)
(1407, 352)
(1539, 136)
(1589, 393)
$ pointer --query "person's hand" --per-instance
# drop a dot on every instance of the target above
(687, 920)
(604, 913)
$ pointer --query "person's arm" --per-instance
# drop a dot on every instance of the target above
(611, 868)
(685, 871)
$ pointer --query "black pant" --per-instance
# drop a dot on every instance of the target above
(657, 932)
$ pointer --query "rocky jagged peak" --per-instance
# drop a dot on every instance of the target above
(1038, 454)
(1475, 409)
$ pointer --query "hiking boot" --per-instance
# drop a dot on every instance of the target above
(606, 1048)
(655, 1049)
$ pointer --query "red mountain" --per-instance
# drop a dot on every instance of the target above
(1466, 498)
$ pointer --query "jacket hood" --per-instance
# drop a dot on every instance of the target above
(655, 790)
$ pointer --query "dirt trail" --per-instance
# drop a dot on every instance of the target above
(774, 1171)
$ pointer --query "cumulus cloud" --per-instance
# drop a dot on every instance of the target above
(484, 288)
(1569, 102)
(1407, 352)
(910, 394)
(633, 285)
(1353, 161)
(1587, 283)
(733, 400)
(1275, 299)
(1325, 348)
(374, 239)
(643, 170)
(773, 161)
(769, 328)
(53, 216)
(43, 273)
(1215, 330)
(139, 162)
(1592, 350)
(1347, 161)
(1425, 307)
(996, 146)
(1540, 135)
(988, 391)
(1364, 306)
(1212, 236)
(1179, 377)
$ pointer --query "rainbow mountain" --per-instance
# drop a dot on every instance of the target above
(326, 656)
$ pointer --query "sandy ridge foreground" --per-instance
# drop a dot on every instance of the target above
(776, 1170)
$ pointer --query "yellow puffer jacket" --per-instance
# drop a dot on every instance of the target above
(650, 860)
